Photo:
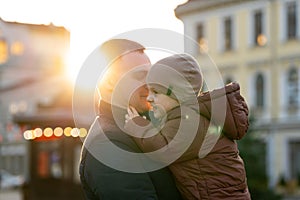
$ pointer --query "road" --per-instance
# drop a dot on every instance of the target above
(10, 194)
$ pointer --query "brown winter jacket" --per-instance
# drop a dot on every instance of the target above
(236, 110)
(209, 167)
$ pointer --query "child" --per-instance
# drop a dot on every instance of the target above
(205, 163)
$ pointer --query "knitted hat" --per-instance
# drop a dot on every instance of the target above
(177, 76)
(114, 48)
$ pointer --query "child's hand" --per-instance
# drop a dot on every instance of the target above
(132, 113)
(136, 125)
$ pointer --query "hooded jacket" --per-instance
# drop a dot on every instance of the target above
(210, 167)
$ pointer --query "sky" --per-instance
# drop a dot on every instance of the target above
(91, 22)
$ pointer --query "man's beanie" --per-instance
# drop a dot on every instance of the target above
(177, 76)
(114, 48)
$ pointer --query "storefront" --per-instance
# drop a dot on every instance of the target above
(54, 146)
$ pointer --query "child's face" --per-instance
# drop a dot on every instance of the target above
(160, 103)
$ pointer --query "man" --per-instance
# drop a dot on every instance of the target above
(122, 85)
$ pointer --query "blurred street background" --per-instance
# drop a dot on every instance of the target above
(43, 46)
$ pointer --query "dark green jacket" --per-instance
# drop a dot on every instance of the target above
(102, 182)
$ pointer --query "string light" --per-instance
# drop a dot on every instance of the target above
(57, 132)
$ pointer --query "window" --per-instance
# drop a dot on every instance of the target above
(291, 20)
(293, 87)
(3, 51)
(259, 38)
(259, 86)
(257, 26)
(49, 159)
(295, 159)
(228, 34)
(17, 48)
(203, 48)
(200, 32)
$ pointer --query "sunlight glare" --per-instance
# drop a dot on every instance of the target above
(72, 69)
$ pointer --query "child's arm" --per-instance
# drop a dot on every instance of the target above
(140, 127)
(145, 134)
(168, 143)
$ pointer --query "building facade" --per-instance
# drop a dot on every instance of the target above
(256, 43)
(31, 72)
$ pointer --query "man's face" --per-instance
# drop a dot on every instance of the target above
(135, 66)
(138, 99)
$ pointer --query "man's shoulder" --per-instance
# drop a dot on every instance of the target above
(101, 133)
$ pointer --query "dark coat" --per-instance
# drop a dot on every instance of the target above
(102, 182)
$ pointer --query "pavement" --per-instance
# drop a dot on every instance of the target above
(15, 194)
(10, 194)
